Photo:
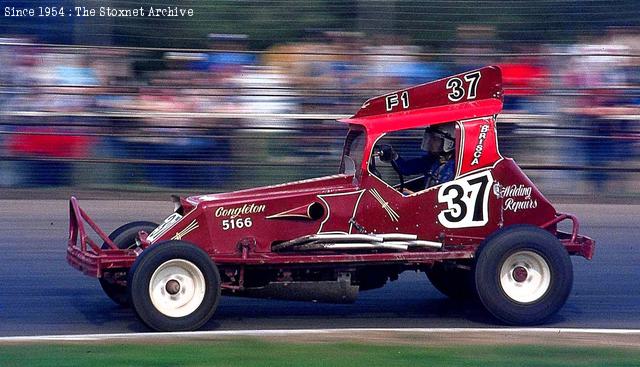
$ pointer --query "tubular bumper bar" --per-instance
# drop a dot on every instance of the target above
(84, 254)
(575, 243)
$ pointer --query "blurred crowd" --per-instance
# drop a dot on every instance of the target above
(113, 117)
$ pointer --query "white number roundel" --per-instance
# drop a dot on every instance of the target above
(467, 201)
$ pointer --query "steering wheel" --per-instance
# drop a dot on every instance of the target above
(400, 175)
(380, 153)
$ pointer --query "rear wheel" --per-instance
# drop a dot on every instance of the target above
(114, 282)
(523, 275)
(452, 280)
(174, 286)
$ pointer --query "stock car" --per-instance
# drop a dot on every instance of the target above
(487, 233)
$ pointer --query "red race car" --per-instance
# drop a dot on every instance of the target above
(421, 186)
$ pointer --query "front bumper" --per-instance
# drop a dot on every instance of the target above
(85, 255)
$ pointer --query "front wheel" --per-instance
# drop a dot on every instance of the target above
(113, 282)
(174, 286)
(523, 275)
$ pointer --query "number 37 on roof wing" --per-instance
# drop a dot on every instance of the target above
(458, 89)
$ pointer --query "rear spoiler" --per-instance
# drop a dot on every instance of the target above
(476, 93)
(471, 86)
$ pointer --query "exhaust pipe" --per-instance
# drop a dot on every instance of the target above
(337, 291)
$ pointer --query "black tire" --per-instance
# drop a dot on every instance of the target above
(167, 257)
(452, 281)
(123, 237)
(524, 296)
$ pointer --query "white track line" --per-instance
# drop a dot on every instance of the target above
(232, 333)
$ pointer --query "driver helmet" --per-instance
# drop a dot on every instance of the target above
(445, 132)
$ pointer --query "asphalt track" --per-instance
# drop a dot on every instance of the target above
(41, 295)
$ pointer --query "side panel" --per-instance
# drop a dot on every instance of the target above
(384, 210)
(219, 229)
(462, 211)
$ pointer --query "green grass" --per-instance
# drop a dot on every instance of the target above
(248, 352)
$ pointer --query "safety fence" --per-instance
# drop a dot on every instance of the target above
(120, 152)
(118, 118)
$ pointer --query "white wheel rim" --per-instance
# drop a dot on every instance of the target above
(525, 277)
(177, 288)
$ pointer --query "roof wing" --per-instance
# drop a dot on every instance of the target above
(468, 95)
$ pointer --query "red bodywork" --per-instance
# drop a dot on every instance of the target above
(241, 229)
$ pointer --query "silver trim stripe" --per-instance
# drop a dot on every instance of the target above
(385, 205)
(192, 226)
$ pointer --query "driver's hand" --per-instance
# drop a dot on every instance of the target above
(387, 154)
